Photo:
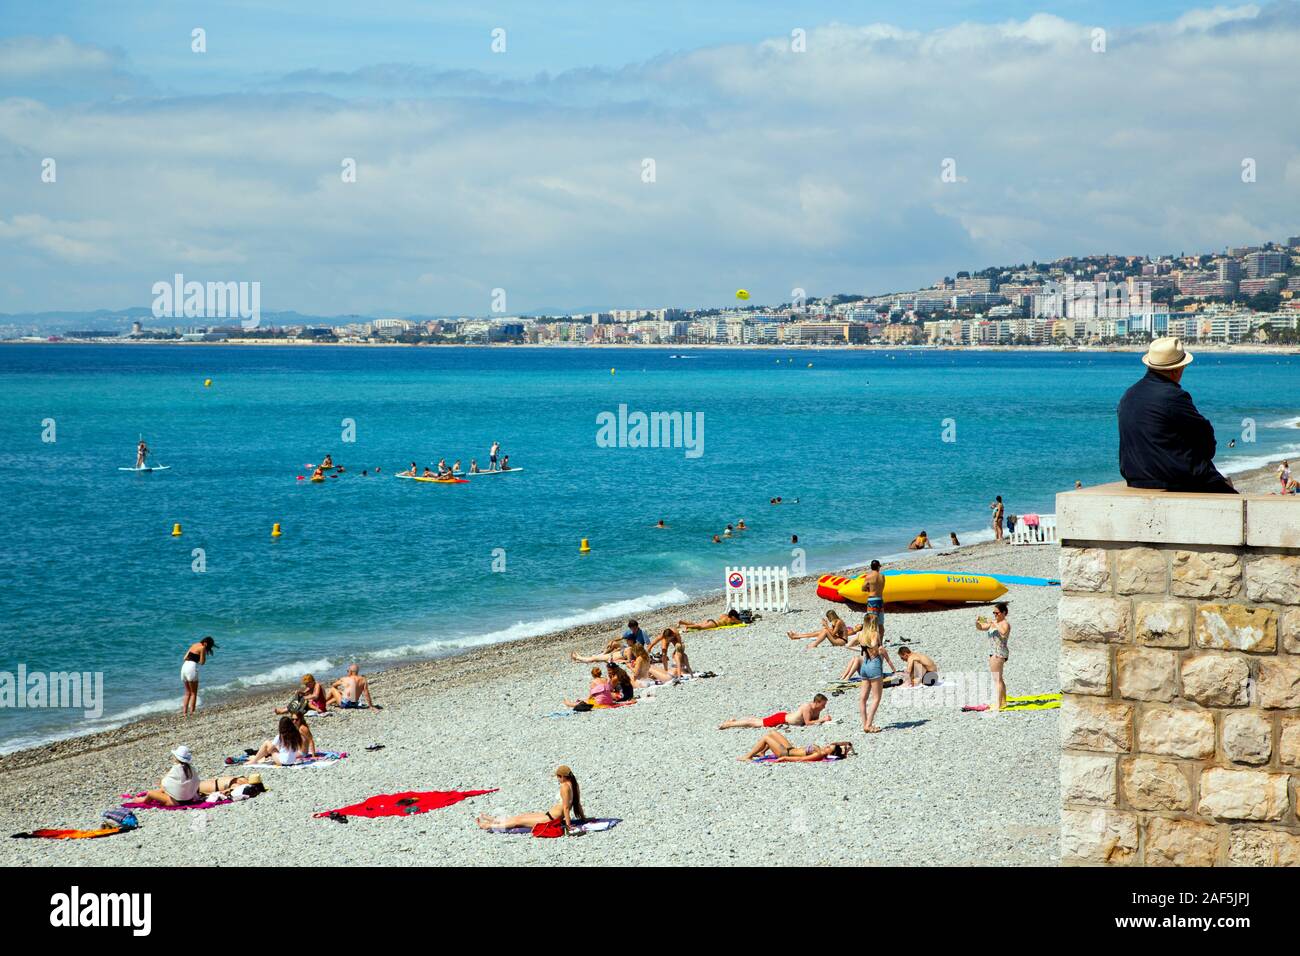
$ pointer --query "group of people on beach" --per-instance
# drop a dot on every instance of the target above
(292, 743)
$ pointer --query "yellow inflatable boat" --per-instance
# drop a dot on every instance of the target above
(939, 586)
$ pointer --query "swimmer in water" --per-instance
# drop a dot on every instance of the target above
(660, 524)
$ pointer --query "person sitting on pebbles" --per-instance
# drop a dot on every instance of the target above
(918, 669)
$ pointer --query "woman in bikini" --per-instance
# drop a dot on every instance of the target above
(195, 656)
(779, 746)
(726, 620)
(569, 809)
(833, 630)
(223, 785)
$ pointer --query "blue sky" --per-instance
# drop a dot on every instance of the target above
(775, 168)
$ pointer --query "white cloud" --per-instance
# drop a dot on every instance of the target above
(774, 169)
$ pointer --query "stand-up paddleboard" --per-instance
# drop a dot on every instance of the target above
(435, 481)
(146, 468)
(484, 474)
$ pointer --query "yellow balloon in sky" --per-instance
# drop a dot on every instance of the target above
(742, 294)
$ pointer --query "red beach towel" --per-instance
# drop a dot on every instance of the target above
(386, 804)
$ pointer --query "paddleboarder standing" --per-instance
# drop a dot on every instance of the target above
(141, 453)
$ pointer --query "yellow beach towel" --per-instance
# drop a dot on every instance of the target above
(1035, 702)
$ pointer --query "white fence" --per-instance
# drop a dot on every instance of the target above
(1044, 533)
(758, 589)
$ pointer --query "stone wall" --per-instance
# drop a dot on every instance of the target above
(1180, 668)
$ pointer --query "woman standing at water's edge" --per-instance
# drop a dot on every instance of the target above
(196, 655)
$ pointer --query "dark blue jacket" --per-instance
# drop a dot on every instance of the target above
(1164, 442)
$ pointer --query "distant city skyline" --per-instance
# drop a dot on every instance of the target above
(867, 155)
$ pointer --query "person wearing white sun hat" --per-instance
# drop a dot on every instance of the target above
(1164, 442)
(180, 784)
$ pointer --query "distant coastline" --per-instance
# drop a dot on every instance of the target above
(1253, 348)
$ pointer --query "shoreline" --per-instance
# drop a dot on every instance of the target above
(1258, 480)
(962, 787)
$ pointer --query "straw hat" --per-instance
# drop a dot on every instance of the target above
(183, 754)
(254, 778)
(1166, 354)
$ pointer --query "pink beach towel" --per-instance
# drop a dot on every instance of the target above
(137, 801)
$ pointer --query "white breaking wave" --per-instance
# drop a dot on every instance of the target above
(286, 673)
(546, 625)
(1284, 423)
(1237, 464)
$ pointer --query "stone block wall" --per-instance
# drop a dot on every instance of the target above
(1180, 669)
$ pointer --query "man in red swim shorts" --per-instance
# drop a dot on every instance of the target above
(806, 716)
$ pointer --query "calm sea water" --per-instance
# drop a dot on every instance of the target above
(376, 569)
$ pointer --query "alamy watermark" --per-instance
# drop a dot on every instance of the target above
(74, 690)
(213, 300)
(651, 430)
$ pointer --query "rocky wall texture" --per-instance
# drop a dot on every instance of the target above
(1180, 722)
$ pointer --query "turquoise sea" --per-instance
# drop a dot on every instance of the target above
(376, 569)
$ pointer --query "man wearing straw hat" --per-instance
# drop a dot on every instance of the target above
(1164, 442)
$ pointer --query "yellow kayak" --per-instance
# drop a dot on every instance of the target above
(929, 587)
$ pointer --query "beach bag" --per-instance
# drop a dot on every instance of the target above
(747, 616)
(122, 817)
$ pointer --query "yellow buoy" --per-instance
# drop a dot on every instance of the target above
(611, 371)
(584, 548)
(176, 530)
(275, 530)
(207, 383)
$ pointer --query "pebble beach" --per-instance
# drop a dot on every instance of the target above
(937, 786)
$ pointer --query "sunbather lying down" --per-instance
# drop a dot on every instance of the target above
(725, 620)
(779, 746)
(805, 716)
